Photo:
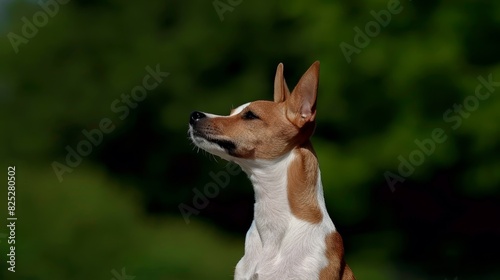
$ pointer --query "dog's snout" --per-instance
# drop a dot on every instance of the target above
(196, 116)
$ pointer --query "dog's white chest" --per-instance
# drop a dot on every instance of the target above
(299, 255)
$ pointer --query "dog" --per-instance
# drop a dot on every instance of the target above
(292, 235)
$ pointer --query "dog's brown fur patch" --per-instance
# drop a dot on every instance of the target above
(336, 269)
(302, 181)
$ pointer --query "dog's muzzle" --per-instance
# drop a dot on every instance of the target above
(196, 131)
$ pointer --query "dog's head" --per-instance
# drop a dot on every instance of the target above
(261, 129)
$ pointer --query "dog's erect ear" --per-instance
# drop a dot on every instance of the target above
(281, 91)
(301, 105)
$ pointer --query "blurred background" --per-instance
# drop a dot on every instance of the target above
(97, 131)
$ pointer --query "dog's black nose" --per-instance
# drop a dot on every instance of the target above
(196, 116)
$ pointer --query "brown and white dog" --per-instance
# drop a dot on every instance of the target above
(292, 235)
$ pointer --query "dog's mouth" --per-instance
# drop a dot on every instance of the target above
(225, 144)
(204, 141)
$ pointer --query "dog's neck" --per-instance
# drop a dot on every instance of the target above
(268, 177)
(273, 206)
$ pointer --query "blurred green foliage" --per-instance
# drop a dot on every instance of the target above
(119, 207)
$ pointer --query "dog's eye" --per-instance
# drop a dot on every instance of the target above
(249, 115)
